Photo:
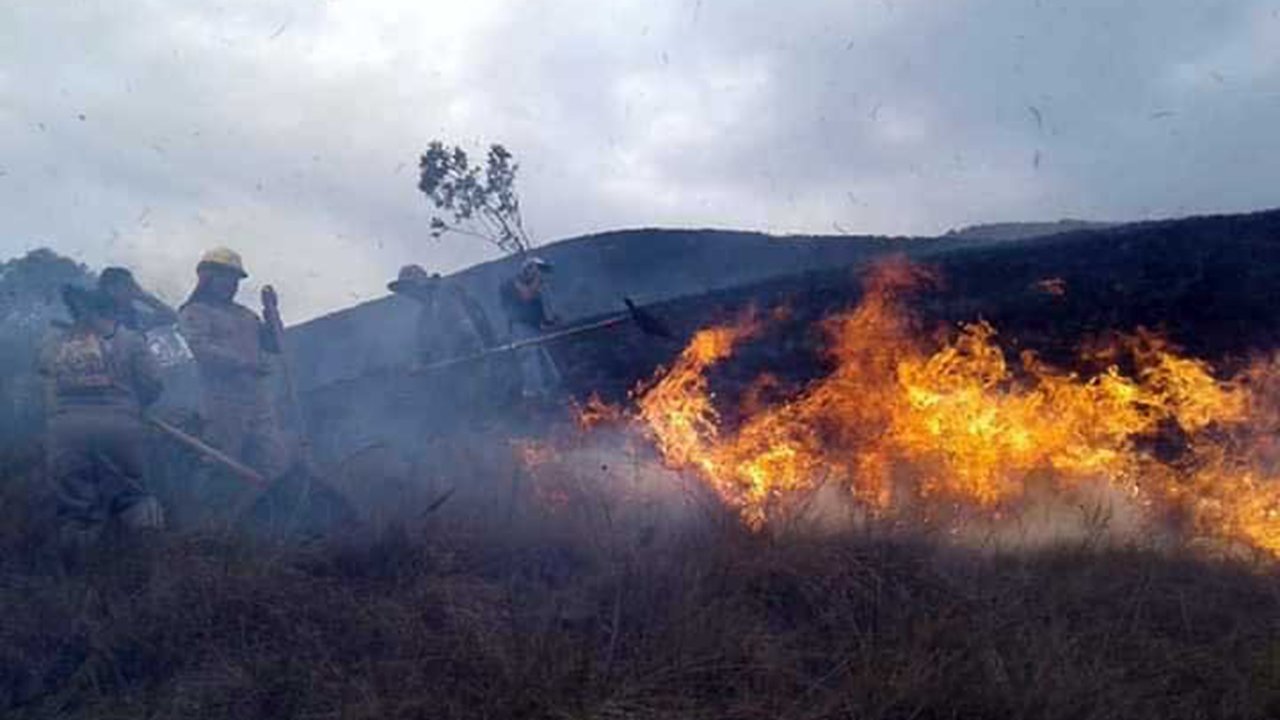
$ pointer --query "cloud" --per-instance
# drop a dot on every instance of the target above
(145, 131)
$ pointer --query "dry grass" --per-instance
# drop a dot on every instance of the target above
(524, 619)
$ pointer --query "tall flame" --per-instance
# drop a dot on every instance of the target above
(904, 416)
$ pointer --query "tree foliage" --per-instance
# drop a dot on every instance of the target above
(475, 200)
(30, 298)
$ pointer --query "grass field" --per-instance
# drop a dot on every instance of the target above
(543, 616)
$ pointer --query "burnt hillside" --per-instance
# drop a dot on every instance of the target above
(1212, 284)
(593, 273)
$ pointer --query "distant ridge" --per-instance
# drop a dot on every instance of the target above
(1025, 230)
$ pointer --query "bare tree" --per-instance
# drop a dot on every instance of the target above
(474, 200)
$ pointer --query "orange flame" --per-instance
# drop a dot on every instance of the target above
(595, 412)
(901, 418)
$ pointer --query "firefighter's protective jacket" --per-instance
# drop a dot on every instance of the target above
(232, 347)
(87, 369)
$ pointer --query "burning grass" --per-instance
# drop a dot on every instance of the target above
(907, 417)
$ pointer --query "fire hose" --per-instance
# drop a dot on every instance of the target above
(648, 324)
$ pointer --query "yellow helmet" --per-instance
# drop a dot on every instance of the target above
(224, 258)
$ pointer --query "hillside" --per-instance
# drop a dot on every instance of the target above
(1211, 283)
(1023, 230)
(595, 272)
(592, 275)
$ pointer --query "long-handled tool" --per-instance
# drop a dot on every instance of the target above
(648, 324)
(271, 315)
(244, 472)
(315, 495)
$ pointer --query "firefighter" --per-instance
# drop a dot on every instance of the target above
(135, 308)
(99, 378)
(525, 304)
(233, 350)
(450, 323)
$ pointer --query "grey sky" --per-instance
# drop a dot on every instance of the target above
(143, 131)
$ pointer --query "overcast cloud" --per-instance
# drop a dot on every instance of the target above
(143, 131)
